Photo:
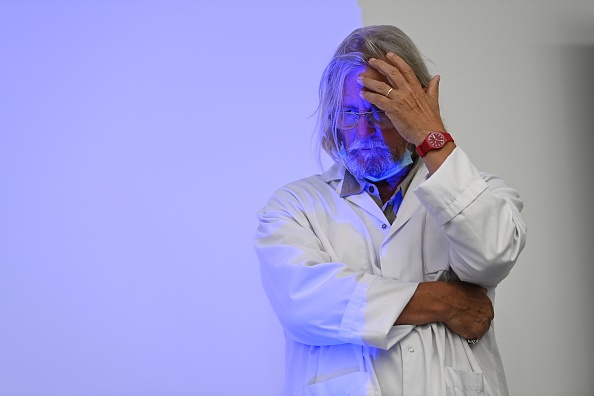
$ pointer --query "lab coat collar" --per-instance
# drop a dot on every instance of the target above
(335, 177)
(336, 172)
(410, 204)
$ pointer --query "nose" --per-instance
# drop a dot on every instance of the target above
(364, 130)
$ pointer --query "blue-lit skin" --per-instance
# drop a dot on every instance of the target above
(353, 101)
(372, 153)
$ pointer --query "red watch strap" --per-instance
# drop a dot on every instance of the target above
(433, 141)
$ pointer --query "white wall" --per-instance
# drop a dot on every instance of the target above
(137, 140)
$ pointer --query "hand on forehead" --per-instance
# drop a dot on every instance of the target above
(393, 87)
(370, 72)
(353, 86)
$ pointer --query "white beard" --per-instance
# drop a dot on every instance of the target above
(369, 157)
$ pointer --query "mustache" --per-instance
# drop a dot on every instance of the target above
(370, 143)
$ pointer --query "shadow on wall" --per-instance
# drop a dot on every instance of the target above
(578, 95)
(579, 102)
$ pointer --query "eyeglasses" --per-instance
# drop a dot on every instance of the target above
(348, 119)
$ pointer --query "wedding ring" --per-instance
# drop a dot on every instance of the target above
(388, 93)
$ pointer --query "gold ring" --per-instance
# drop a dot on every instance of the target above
(388, 93)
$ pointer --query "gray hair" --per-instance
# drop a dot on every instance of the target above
(354, 53)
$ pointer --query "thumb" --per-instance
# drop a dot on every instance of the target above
(433, 87)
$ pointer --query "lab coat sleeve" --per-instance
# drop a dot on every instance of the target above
(317, 300)
(480, 216)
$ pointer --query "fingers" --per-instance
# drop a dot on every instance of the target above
(375, 86)
(381, 101)
(471, 312)
(397, 71)
(401, 78)
(376, 92)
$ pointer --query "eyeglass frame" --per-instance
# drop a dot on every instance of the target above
(371, 122)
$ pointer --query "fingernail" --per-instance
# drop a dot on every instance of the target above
(362, 94)
(390, 54)
(360, 80)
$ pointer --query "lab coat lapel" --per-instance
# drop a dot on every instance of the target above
(362, 200)
(365, 202)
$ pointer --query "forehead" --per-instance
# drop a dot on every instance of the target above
(351, 89)
(370, 72)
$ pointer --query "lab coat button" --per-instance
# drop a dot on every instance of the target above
(411, 349)
(384, 226)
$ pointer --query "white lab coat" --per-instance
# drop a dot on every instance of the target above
(338, 276)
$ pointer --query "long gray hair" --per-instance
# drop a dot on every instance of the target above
(354, 53)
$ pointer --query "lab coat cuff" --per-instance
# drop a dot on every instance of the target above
(451, 188)
(353, 316)
(374, 306)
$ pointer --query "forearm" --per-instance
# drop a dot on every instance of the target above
(427, 305)
(463, 307)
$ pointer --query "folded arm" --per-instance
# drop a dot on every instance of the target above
(463, 307)
(321, 301)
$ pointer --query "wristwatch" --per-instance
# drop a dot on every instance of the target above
(434, 141)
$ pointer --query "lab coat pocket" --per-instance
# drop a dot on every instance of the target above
(464, 383)
(353, 384)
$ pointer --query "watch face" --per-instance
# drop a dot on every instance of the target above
(436, 139)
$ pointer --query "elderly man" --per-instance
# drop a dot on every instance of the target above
(383, 269)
